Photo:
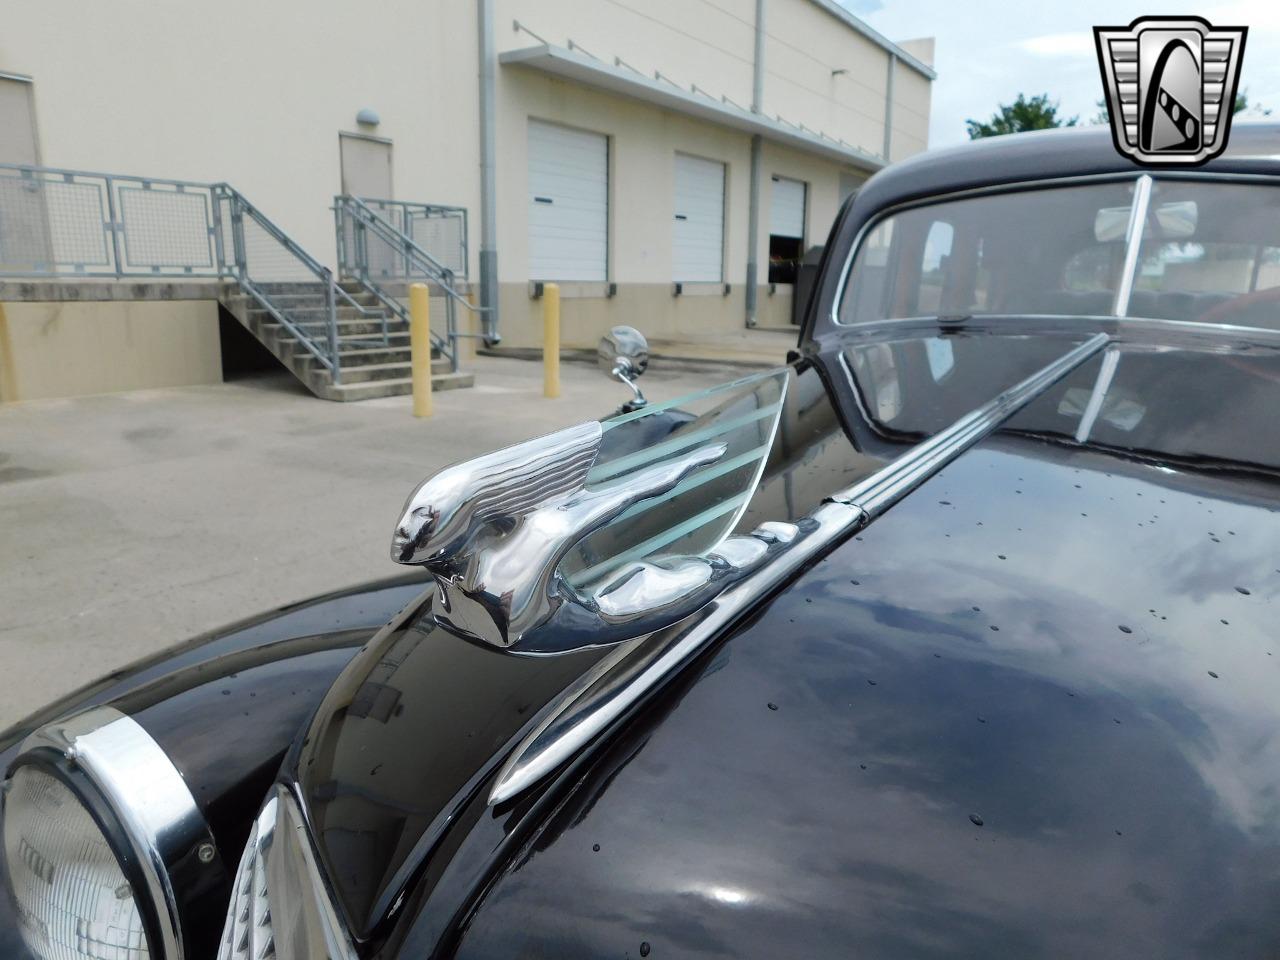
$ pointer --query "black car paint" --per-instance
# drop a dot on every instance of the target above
(1006, 720)
(1083, 765)
(874, 657)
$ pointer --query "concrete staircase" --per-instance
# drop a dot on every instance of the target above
(366, 370)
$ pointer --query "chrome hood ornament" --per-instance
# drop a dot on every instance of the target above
(510, 538)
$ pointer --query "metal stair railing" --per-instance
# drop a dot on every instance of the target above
(382, 259)
(57, 224)
(269, 265)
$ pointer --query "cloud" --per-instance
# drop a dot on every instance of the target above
(1059, 45)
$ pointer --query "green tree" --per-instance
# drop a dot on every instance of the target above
(1025, 113)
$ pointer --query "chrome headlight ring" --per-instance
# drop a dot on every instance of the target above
(142, 805)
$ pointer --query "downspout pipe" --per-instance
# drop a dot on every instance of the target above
(488, 176)
(888, 107)
(757, 165)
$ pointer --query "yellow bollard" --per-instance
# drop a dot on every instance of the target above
(551, 340)
(420, 347)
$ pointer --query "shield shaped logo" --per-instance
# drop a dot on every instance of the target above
(1171, 87)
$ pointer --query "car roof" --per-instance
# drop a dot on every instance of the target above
(1047, 154)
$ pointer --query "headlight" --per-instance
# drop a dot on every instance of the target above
(72, 895)
(104, 845)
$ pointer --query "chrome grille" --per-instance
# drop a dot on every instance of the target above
(280, 905)
(247, 934)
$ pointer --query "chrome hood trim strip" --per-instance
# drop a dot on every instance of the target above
(641, 665)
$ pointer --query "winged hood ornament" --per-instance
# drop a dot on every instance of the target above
(496, 532)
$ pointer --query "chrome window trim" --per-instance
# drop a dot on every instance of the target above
(619, 681)
(148, 796)
(1132, 242)
(1019, 186)
(1061, 325)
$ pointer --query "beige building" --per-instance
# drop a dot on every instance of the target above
(666, 161)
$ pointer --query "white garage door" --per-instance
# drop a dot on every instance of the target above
(698, 239)
(568, 203)
(786, 208)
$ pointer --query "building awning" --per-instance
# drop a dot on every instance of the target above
(623, 80)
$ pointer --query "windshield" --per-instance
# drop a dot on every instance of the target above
(1210, 252)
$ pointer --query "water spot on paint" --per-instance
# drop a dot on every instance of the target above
(1124, 629)
(772, 706)
(1212, 674)
(1243, 591)
(976, 820)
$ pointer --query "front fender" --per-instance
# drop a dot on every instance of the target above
(225, 706)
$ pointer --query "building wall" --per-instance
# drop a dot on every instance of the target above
(704, 43)
(643, 141)
(72, 349)
(254, 94)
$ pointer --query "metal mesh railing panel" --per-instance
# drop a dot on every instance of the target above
(78, 233)
(165, 229)
(52, 226)
(442, 236)
(267, 259)
(25, 244)
(65, 222)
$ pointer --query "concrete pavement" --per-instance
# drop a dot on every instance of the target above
(129, 522)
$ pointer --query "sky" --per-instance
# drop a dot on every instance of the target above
(988, 51)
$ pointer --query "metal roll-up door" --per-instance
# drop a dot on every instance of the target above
(698, 234)
(568, 203)
(786, 208)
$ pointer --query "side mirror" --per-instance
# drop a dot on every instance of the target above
(623, 354)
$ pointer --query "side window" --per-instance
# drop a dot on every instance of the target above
(933, 266)
(1198, 267)
(867, 297)
(1091, 269)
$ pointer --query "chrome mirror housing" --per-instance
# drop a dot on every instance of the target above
(623, 354)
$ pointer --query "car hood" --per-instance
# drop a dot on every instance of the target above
(1033, 711)
(1063, 634)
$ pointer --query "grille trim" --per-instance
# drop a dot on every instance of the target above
(281, 907)
(247, 933)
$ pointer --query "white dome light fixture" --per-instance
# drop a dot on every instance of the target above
(368, 117)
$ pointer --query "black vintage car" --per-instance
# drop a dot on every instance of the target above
(954, 637)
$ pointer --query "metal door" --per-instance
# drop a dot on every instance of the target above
(366, 173)
(366, 167)
(697, 251)
(568, 203)
(25, 241)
